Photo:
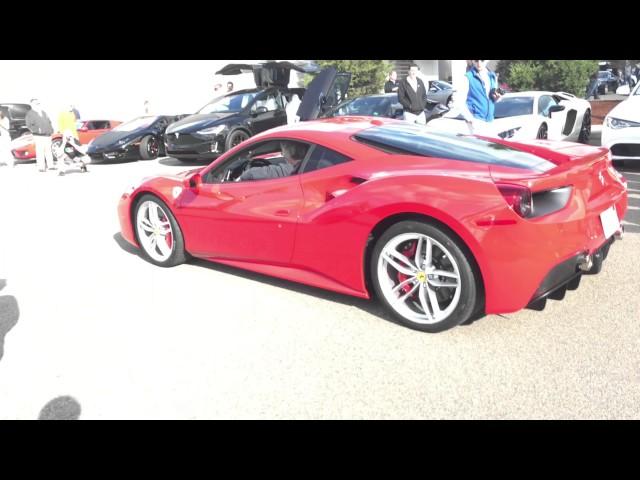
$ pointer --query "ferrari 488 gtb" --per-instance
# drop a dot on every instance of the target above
(440, 227)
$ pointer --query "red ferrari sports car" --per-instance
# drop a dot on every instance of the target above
(441, 227)
(23, 147)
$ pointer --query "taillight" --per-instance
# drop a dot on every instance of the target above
(518, 198)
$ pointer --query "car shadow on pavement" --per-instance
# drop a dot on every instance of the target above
(9, 314)
(372, 306)
(61, 408)
(174, 162)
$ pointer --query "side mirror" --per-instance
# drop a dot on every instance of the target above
(260, 110)
(433, 89)
(83, 129)
(555, 108)
(193, 181)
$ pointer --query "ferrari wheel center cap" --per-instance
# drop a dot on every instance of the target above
(421, 276)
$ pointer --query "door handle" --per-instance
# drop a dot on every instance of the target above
(282, 213)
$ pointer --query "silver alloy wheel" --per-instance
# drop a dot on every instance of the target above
(154, 231)
(422, 286)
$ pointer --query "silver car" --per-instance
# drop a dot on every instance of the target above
(441, 92)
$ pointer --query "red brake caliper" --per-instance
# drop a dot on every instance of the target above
(168, 237)
(410, 253)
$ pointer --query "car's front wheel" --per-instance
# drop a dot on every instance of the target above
(158, 232)
(235, 138)
(585, 129)
(543, 133)
(423, 276)
(149, 148)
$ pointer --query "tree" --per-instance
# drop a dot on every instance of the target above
(367, 76)
(554, 75)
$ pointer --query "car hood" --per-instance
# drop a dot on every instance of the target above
(198, 122)
(109, 139)
(627, 110)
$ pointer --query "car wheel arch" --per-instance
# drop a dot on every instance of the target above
(449, 225)
(135, 200)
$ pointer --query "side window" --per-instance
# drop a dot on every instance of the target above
(544, 104)
(322, 157)
(266, 160)
(269, 102)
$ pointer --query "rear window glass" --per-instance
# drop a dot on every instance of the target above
(415, 140)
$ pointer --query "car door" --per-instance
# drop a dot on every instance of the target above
(252, 221)
(325, 92)
(266, 112)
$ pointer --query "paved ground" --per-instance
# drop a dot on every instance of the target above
(91, 331)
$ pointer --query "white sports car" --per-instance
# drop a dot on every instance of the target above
(529, 115)
(621, 128)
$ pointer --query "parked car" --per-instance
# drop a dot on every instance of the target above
(621, 128)
(16, 113)
(141, 137)
(87, 131)
(438, 226)
(441, 92)
(229, 120)
(607, 82)
(382, 105)
(532, 115)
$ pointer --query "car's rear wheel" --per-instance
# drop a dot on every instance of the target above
(158, 232)
(235, 138)
(543, 132)
(585, 129)
(149, 148)
(422, 274)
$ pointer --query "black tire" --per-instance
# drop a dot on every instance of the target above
(468, 302)
(149, 148)
(585, 129)
(543, 132)
(178, 254)
(235, 138)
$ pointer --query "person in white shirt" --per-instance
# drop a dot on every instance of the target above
(292, 109)
(6, 157)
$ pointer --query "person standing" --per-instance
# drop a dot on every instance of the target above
(592, 88)
(39, 123)
(392, 83)
(478, 93)
(6, 157)
(229, 87)
(412, 94)
(67, 122)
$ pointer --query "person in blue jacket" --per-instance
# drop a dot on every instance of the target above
(478, 93)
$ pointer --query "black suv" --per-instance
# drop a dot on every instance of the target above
(231, 119)
(16, 113)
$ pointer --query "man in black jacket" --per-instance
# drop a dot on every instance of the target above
(392, 83)
(412, 94)
(39, 123)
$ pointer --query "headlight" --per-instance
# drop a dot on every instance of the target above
(617, 123)
(212, 130)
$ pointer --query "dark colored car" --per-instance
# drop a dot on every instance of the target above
(383, 105)
(229, 120)
(441, 92)
(141, 137)
(607, 82)
(16, 113)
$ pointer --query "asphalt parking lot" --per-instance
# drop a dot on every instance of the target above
(89, 330)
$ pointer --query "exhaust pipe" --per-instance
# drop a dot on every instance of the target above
(620, 233)
(585, 263)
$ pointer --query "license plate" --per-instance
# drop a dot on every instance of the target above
(610, 221)
(109, 155)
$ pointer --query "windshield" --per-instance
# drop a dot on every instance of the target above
(228, 104)
(513, 106)
(140, 122)
(371, 106)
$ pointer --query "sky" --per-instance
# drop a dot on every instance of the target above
(116, 89)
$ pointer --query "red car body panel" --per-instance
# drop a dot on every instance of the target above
(85, 135)
(314, 227)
